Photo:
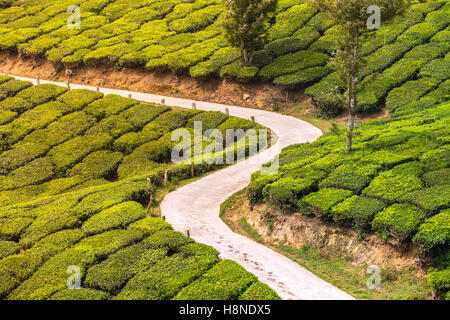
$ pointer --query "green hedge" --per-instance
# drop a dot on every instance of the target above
(430, 199)
(285, 192)
(52, 276)
(118, 216)
(289, 21)
(165, 278)
(399, 220)
(226, 280)
(69, 153)
(142, 114)
(440, 280)
(351, 176)
(259, 291)
(293, 62)
(78, 99)
(132, 140)
(114, 125)
(11, 229)
(79, 295)
(435, 231)
(34, 172)
(150, 225)
(16, 104)
(359, 210)
(238, 70)
(8, 248)
(221, 57)
(33, 119)
(109, 105)
(174, 119)
(16, 268)
(209, 120)
(41, 94)
(112, 274)
(99, 164)
(409, 92)
(14, 86)
(255, 188)
(438, 177)
(436, 159)
(390, 186)
(320, 203)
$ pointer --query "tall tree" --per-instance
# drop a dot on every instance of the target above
(353, 17)
(246, 24)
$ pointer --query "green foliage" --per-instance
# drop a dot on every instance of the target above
(142, 114)
(52, 276)
(150, 225)
(320, 203)
(430, 199)
(391, 186)
(440, 280)
(41, 94)
(438, 177)
(35, 172)
(69, 153)
(116, 217)
(246, 24)
(209, 120)
(109, 105)
(255, 188)
(285, 192)
(163, 279)
(100, 164)
(293, 62)
(79, 295)
(10, 229)
(110, 275)
(409, 92)
(259, 291)
(435, 231)
(359, 210)
(237, 70)
(398, 220)
(289, 21)
(226, 280)
(78, 99)
(351, 176)
(8, 248)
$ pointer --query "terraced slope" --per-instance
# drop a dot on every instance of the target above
(186, 37)
(395, 182)
(73, 192)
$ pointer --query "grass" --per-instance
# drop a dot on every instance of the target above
(335, 269)
(248, 229)
(340, 272)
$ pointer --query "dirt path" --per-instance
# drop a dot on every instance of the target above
(195, 207)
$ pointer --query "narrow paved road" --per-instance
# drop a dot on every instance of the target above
(195, 207)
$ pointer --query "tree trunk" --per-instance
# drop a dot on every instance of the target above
(352, 91)
(244, 51)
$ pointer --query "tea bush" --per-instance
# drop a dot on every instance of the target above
(320, 203)
(398, 220)
(435, 231)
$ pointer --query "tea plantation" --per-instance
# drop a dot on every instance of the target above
(396, 182)
(187, 37)
(74, 166)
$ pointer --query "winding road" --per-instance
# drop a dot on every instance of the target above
(195, 207)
